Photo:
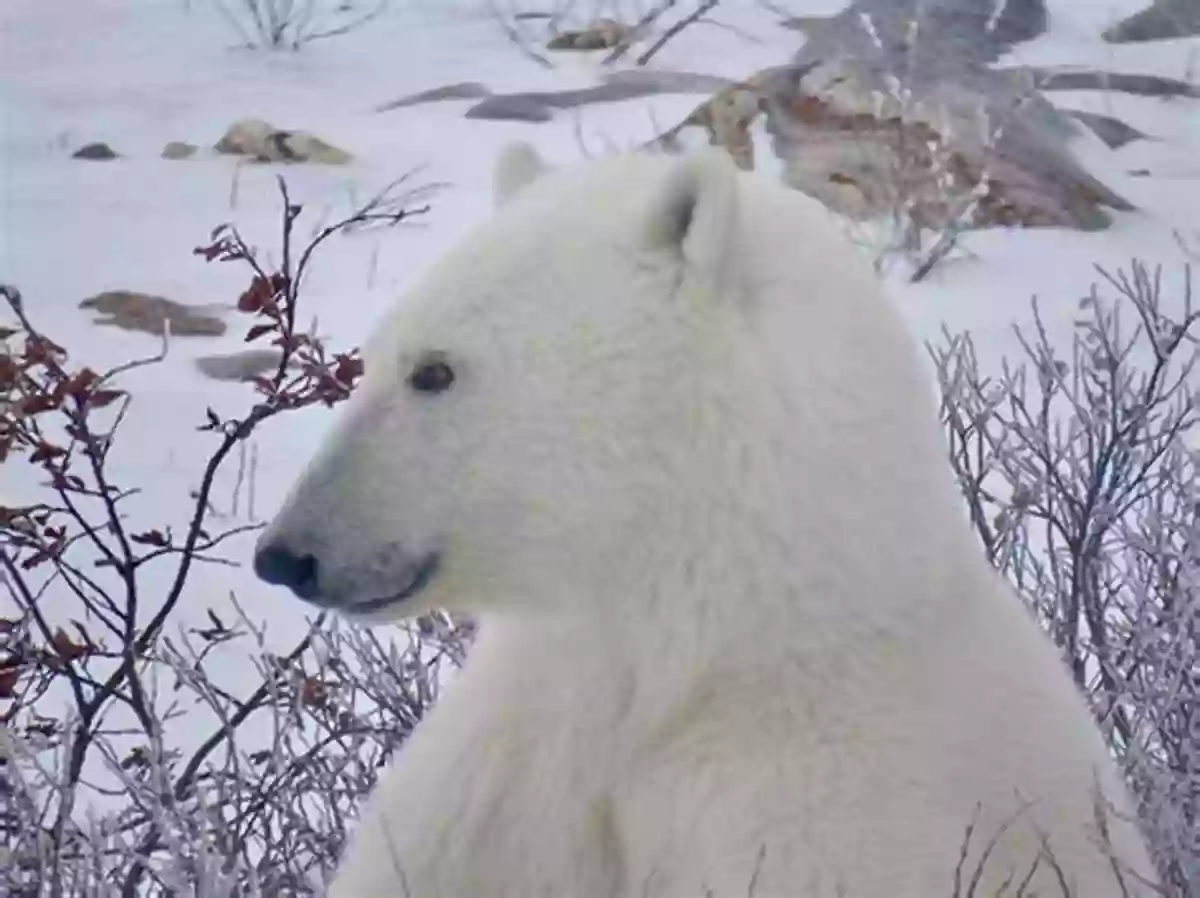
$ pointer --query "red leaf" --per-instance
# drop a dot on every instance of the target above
(101, 398)
(213, 250)
(45, 452)
(67, 647)
(252, 299)
(150, 538)
(261, 293)
(258, 330)
(37, 404)
(81, 382)
(8, 681)
(348, 370)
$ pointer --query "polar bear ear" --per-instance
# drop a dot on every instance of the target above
(693, 212)
(517, 166)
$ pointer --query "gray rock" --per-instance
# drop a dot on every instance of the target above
(540, 106)
(95, 151)
(951, 35)
(804, 24)
(1075, 79)
(178, 149)
(1114, 132)
(239, 366)
(665, 82)
(1162, 20)
(512, 108)
(463, 90)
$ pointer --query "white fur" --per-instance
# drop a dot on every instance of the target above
(734, 626)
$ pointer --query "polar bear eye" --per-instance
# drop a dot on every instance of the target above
(431, 376)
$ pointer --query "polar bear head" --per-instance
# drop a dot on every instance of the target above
(586, 387)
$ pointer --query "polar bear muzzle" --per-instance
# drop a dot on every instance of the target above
(279, 565)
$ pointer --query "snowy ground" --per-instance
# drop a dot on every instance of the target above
(140, 73)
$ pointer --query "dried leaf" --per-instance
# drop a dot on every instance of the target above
(259, 330)
(150, 538)
(101, 398)
(9, 676)
(66, 647)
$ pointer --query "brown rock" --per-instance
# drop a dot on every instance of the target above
(603, 34)
(245, 137)
(725, 120)
(864, 158)
(263, 142)
(146, 313)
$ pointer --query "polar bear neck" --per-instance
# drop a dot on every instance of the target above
(806, 506)
(819, 523)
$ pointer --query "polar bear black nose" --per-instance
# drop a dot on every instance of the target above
(282, 567)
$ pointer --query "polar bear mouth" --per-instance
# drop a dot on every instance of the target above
(419, 576)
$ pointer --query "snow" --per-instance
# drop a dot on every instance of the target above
(140, 73)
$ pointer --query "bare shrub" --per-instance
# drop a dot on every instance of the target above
(131, 761)
(1082, 476)
(289, 24)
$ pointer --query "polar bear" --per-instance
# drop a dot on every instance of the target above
(654, 427)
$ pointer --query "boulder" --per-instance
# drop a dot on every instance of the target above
(864, 154)
(178, 149)
(603, 34)
(1162, 20)
(239, 366)
(99, 152)
(462, 90)
(150, 314)
(263, 142)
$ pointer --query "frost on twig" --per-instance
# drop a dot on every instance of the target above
(1081, 473)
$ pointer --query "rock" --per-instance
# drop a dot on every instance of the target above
(245, 137)
(300, 146)
(177, 149)
(540, 106)
(515, 108)
(146, 313)
(603, 34)
(805, 24)
(239, 366)
(725, 121)
(1114, 132)
(463, 90)
(833, 117)
(263, 142)
(837, 133)
(856, 150)
(950, 36)
(95, 151)
(1162, 20)
(667, 82)
(1081, 79)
